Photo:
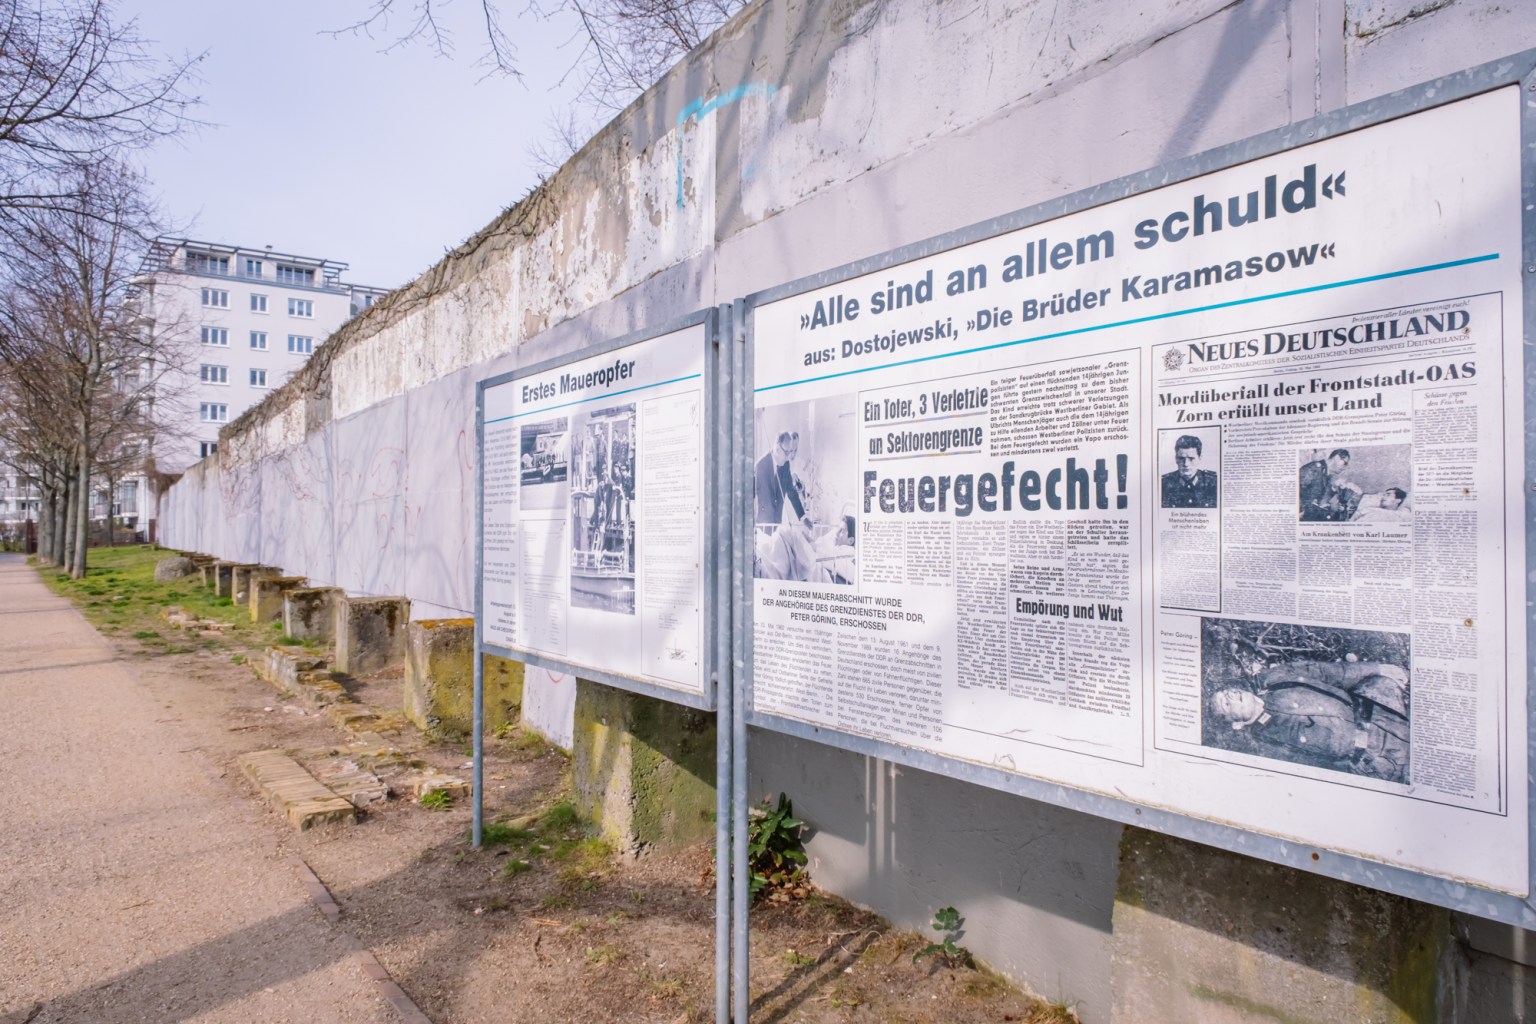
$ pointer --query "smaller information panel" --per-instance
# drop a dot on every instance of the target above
(593, 515)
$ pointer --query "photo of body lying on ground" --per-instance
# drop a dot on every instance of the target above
(1330, 698)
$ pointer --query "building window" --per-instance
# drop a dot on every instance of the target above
(258, 302)
(216, 297)
(252, 268)
(213, 412)
(259, 340)
(202, 263)
(295, 275)
(301, 344)
(216, 336)
(206, 448)
(301, 307)
(258, 378)
(213, 373)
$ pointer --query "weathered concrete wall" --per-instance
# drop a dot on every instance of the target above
(803, 136)
(643, 769)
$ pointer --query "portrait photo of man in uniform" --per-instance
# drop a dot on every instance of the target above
(1189, 485)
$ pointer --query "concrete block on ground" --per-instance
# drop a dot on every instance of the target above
(309, 613)
(266, 596)
(173, 567)
(430, 780)
(440, 674)
(241, 577)
(224, 578)
(370, 633)
(440, 679)
(293, 792)
(643, 769)
(1201, 934)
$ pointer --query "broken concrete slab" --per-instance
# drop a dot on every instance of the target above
(266, 596)
(370, 633)
(352, 782)
(294, 792)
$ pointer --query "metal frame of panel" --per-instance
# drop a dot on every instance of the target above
(715, 464)
(1519, 69)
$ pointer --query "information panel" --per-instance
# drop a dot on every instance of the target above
(594, 513)
(1206, 499)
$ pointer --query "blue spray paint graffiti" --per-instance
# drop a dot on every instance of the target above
(701, 108)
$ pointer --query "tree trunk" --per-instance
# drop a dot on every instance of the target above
(65, 518)
(82, 516)
(48, 501)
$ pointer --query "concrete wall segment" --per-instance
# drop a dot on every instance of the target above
(1398, 44)
(1129, 117)
(439, 500)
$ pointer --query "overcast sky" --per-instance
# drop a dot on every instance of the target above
(329, 147)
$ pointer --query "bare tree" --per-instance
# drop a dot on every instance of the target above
(624, 46)
(76, 84)
(72, 340)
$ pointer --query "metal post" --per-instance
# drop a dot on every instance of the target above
(724, 507)
(478, 779)
(741, 499)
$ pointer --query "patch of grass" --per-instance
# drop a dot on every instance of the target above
(237, 659)
(794, 958)
(601, 956)
(146, 634)
(120, 595)
(514, 867)
(562, 817)
(436, 800)
(498, 833)
(526, 741)
(555, 901)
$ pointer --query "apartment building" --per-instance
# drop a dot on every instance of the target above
(231, 323)
(241, 320)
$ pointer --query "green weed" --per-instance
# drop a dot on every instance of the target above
(775, 855)
(436, 800)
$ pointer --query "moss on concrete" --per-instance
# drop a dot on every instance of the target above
(440, 679)
(643, 769)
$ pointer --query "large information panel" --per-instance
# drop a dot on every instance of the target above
(1206, 499)
(594, 505)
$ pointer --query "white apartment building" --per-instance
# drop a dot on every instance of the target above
(235, 322)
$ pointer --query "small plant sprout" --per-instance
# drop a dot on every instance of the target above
(436, 800)
(947, 922)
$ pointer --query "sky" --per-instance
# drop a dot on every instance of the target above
(330, 147)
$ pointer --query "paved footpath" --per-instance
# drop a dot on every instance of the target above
(135, 885)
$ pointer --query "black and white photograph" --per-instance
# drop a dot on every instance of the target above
(1366, 484)
(543, 457)
(603, 509)
(806, 522)
(1189, 464)
(1337, 699)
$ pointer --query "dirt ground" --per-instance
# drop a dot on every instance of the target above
(544, 923)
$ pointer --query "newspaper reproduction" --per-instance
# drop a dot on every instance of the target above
(593, 518)
(1208, 498)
